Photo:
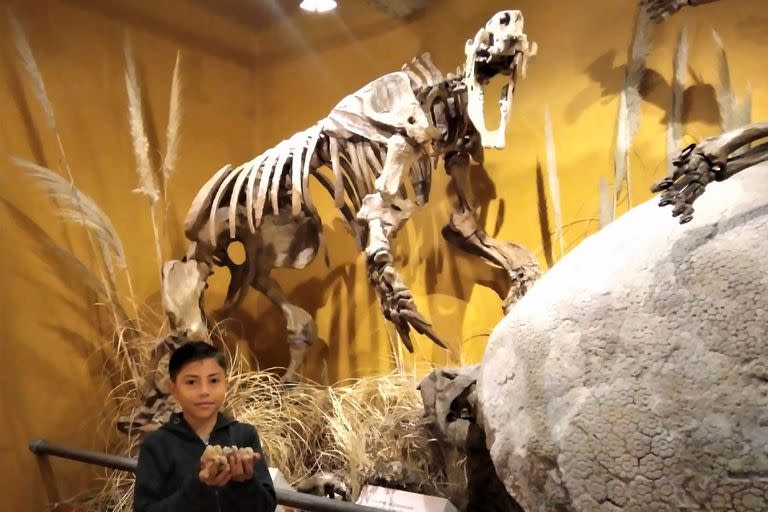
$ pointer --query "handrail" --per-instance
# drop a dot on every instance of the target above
(288, 498)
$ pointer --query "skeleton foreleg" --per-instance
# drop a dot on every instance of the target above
(465, 232)
(384, 213)
(715, 159)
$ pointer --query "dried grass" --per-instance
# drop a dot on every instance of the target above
(367, 430)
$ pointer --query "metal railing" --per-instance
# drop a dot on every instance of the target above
(285, 497)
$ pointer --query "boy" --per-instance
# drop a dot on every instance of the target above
(168, 478)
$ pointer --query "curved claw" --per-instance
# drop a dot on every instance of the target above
(418, 322)
(681, 208)
(662, 185)
(405, 336)
(397, 304)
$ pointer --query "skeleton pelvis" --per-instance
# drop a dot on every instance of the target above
(294, 241)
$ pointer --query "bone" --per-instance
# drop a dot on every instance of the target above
(296, 167)
(385, 216)
(183, 285)
(734, 140)
(354, 162)
(365, 167)
(264, 178)
(435, 74)
(277, 175)
(217, 201)
(373, 160)
(422, 69)
(659, 10)
(338, 179)
(353, 193)
(440, 391)
(198, 210)
(254, 171)
(518, 262)
(400, 158)
(418, 82)
(749, 158)
(233, 201)
(314, 137)
(346, 212)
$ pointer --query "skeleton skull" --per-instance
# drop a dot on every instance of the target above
(450, 403)
(499, 48)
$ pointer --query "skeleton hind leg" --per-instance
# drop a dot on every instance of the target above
(300, 325)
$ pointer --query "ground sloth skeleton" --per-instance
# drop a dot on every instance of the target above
(392, 130)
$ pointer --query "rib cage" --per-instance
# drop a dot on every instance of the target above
(278, 178)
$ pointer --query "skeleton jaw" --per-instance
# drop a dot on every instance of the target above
(475, 109)
(501, 47)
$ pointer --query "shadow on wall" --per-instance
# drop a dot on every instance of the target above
(699, 99)
(264, 332)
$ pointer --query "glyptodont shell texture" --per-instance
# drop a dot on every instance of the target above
(634, 374)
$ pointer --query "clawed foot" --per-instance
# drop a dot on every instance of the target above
(694, 170)
(397, 300)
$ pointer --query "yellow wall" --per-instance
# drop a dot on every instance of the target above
(245, 89)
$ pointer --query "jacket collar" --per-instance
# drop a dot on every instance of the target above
(178, 424)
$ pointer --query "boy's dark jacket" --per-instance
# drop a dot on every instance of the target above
(169, 462)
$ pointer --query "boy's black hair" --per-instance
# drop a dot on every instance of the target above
(193, 351)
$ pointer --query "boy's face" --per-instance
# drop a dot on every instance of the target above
(200, 389)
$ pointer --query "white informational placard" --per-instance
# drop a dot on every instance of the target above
(278, 480)
(402, 501)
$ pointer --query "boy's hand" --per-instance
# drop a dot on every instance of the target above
(241, 464)
(209, 475)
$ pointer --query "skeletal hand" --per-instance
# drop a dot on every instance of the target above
(397, 300)
(694, 170)
(658, 10)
